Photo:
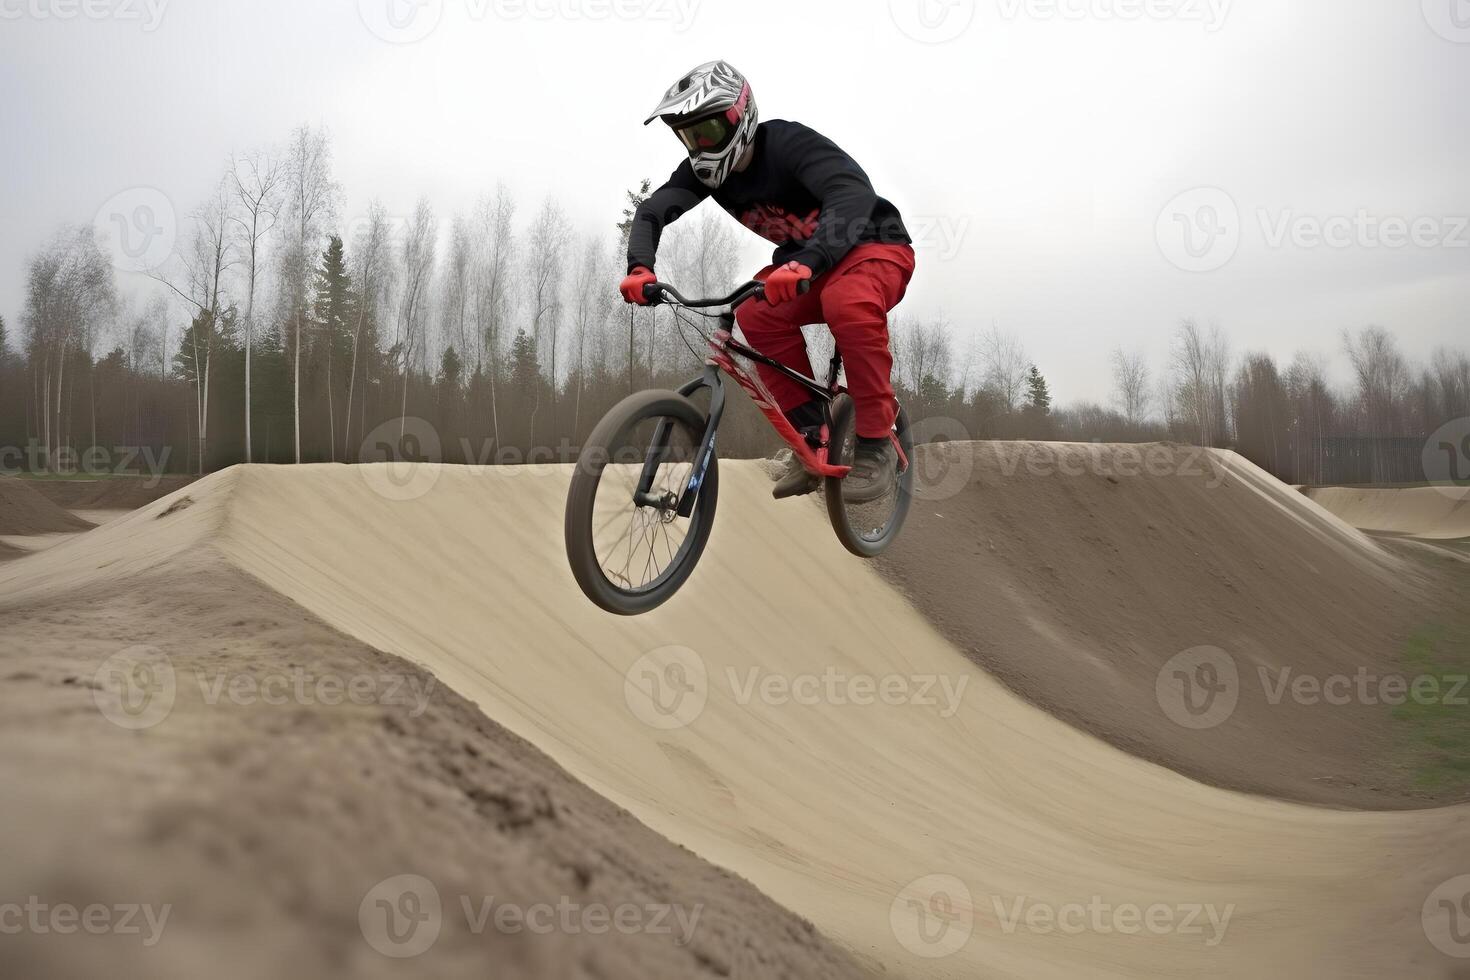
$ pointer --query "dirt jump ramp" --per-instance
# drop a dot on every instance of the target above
(1431, 513)
(953, 832)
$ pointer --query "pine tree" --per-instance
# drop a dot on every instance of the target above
(524, 369)
(333, 313)
(202, 343)
(1039, 401)
(451, 369)
(635, 198)
(333, 305)
(625, 231)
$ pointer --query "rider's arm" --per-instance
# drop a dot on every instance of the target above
(846, 195)
(664, 206)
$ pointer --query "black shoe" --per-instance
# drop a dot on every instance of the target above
(796, 481)
(874, 471)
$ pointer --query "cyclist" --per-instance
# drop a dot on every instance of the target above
(800, 191)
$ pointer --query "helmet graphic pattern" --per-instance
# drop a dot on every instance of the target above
(709, 89)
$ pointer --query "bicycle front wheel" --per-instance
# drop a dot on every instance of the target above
(867, 529)
(629, 547)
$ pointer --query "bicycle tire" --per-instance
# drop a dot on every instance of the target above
(844, 519)
(586, 565)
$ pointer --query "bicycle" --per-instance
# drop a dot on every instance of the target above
(651, 462)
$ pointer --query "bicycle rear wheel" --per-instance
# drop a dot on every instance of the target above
(867, 529)
(631, 550)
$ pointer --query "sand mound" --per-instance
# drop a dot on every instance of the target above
(111, 493)
(935, 818)
(23, 510)
(1432, 513)
(266, 808)
(1088, 574)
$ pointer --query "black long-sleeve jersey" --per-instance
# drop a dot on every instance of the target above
(800, 192)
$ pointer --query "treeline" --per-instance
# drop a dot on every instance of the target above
(1287, 419)
(283, 332)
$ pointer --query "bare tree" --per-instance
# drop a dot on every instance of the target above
(1131, 384)
(256, 180)
(455, 294)
(1312, 411)
(590, 309)
(1383, 378)
(417, 260)
(69, 287)
(545, 257)
(210, 259)
(1452, 381)
(371, 271)
(922, 355)
(309, 200)
(494, 263)
(1201, 360)
(1006, 366)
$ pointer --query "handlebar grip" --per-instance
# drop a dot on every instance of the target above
(803, 287)
(653, 292)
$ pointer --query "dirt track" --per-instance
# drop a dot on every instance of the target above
(262, 824)
(1430, 513)
(112, 492)
(840, 811)
(24, 511)
(1088, 574)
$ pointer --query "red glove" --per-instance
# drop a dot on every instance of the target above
(784, 284)
(632, 287)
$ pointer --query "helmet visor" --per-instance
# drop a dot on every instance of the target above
(707, 135)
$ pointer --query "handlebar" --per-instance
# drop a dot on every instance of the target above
(657, 292)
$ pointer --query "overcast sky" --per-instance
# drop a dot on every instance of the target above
(1082, 172)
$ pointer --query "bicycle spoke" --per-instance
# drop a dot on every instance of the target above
(637, 545)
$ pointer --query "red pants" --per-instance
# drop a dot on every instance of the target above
(853, 298)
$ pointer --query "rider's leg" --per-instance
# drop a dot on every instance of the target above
(855, 303)
(775, 331)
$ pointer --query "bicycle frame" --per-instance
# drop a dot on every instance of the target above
(722, 345)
